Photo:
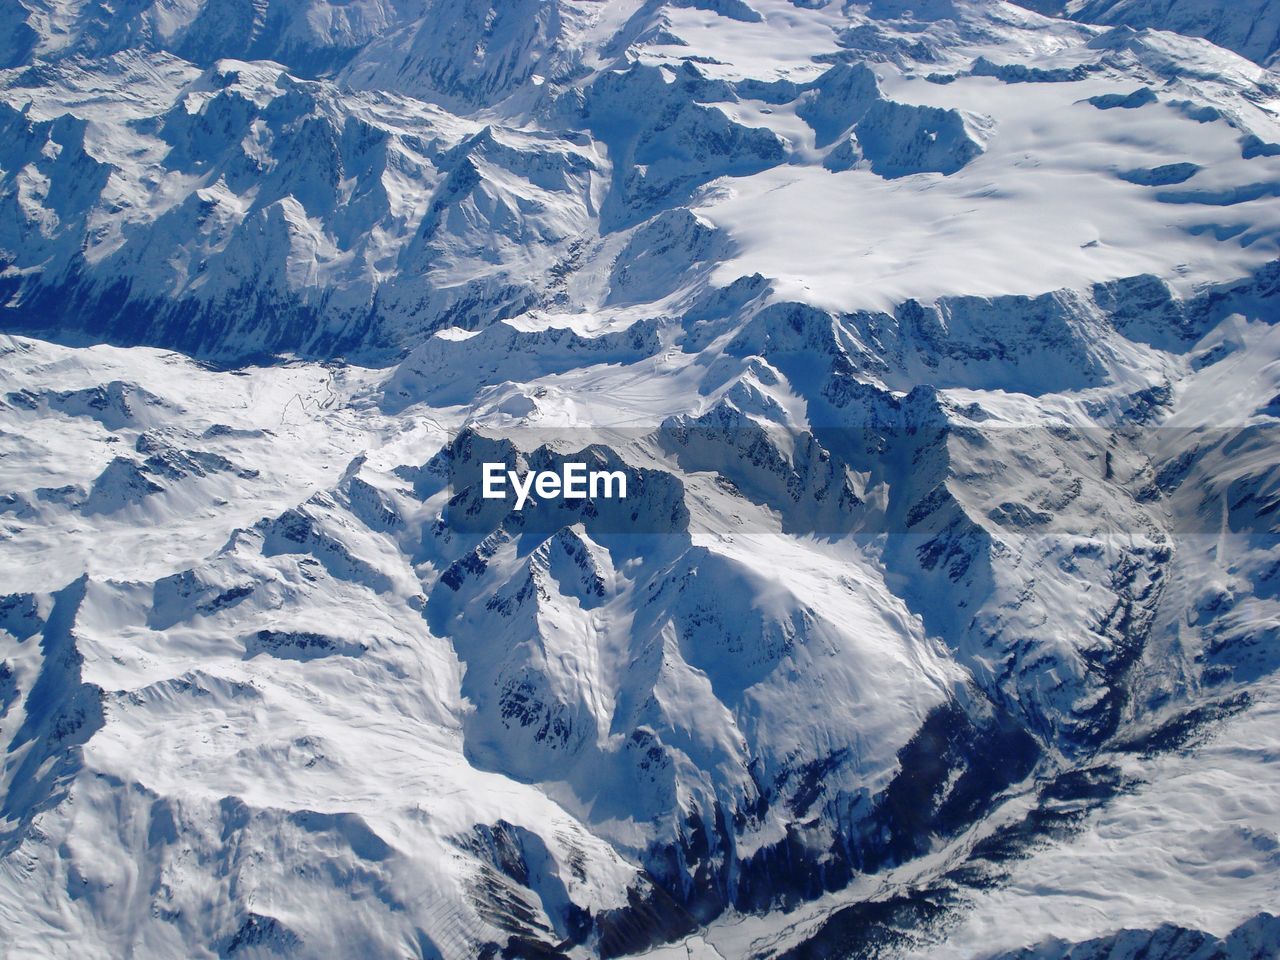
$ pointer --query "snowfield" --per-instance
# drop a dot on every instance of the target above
(935, 343)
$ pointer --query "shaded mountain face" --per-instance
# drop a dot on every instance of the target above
(309, 37)
(933, 343)
(1251, 28)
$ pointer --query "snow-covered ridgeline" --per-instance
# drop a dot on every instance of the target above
(939, 347)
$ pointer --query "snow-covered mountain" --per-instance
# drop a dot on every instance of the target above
(936, 342)
(1249, 27)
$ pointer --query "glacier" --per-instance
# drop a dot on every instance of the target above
(934, 340)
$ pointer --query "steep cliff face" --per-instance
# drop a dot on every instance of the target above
(935, 344)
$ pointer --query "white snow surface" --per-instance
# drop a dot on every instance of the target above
(938, 339)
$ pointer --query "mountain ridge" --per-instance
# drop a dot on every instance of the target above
(937, 342)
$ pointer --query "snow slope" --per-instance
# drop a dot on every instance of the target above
(1250, 28)
(936, 341)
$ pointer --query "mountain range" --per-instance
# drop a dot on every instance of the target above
(936, 340)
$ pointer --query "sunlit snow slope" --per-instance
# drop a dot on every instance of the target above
(937, 341)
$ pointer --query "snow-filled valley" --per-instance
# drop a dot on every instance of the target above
(936, 341)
